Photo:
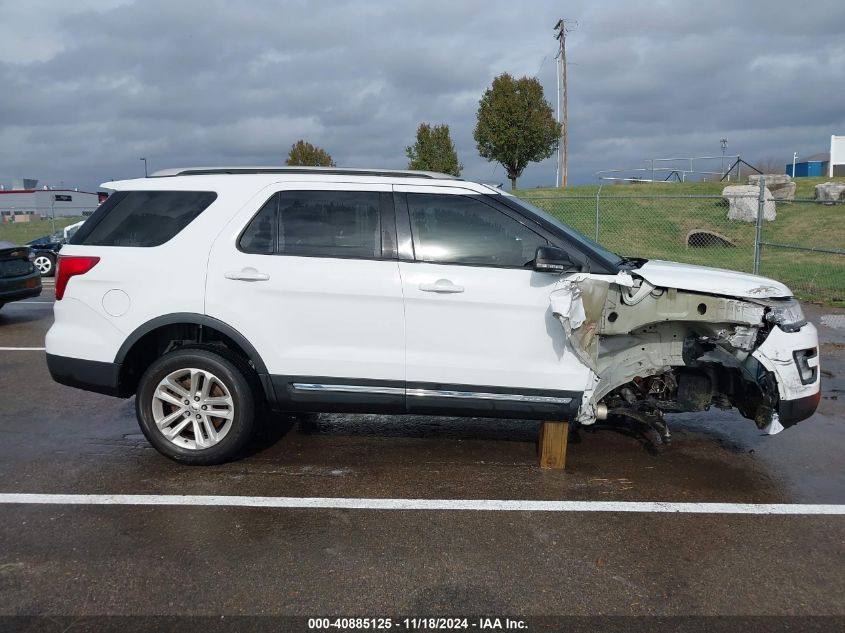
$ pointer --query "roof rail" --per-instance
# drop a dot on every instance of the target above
(329, 171)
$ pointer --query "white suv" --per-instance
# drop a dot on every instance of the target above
(211, 293)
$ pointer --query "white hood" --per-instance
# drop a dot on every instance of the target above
(715, 281)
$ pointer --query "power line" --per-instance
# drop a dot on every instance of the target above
(540, 67)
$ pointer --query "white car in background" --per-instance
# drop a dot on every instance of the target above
(211, 292)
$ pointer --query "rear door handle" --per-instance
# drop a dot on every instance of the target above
(443, 286)
(247, 274)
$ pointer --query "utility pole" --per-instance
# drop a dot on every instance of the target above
(561, 29)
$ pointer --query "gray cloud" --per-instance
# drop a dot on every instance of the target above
(89, 88)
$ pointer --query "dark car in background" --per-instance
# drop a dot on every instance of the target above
(45, 254)
(19, 278)
(46, 249)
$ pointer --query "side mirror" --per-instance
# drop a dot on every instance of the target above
(551, 259)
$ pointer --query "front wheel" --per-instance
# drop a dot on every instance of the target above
(196, 406)
(46, 264)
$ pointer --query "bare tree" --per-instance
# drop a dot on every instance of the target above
(770, 165)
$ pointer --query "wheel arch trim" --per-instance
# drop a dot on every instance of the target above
(191, 318)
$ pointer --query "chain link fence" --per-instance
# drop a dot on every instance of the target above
(803, 245)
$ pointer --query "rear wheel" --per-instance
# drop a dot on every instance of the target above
(197, 406)
(46, 264)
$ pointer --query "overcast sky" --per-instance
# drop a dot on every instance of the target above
(87, 87)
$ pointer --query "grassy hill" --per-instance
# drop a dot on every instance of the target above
(654, 220)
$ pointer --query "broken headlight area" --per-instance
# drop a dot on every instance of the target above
(785, 313)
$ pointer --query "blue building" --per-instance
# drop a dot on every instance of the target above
(815, 165)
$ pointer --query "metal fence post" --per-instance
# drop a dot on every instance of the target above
(598, 213)
(761, 205)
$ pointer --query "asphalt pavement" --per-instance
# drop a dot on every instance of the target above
(67, 563)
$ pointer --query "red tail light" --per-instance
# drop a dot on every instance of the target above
(70, 266)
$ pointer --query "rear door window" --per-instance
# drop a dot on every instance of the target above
(142, 218)
(342, 224)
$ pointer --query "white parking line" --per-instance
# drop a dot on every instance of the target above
(22, 349)
(485, 505)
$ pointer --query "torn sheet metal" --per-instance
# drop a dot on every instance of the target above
(773, 427)
(649, 305)
(622, 329)
(578, 304)
(587, 411)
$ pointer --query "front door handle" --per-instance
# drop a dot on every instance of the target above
(443, 286)
(247, 274)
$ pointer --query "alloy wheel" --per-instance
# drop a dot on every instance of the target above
(193, 408)
(44, 264)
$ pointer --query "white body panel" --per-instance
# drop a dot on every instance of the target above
(314, 316)
(83, 330)
(717, 281)
(498, 331)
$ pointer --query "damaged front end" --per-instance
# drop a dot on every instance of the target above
(652, 350)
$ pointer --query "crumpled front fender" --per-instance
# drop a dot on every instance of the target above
(798, 398)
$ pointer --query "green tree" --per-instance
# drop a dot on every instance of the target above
(516, 125)
(304, 154)
(434, 151)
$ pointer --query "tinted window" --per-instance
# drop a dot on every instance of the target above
(142, 218)
(260, 236)
(464, 230)
(317, 223)
(329, 223)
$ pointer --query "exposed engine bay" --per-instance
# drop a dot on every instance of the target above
(653, 350)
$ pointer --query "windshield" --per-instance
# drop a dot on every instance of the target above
(582, 240)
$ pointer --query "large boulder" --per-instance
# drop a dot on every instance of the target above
(781, 185)
(830, 192)
(742, 203)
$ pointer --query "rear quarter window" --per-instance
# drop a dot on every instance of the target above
(142, 218)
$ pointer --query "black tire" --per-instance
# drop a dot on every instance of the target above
(51, 271)
(230, 370)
